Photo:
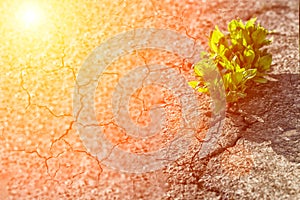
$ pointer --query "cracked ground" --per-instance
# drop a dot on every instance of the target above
(42, 154)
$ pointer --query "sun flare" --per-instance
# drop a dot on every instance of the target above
(30, 15)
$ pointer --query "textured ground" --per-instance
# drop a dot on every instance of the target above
(42, 155)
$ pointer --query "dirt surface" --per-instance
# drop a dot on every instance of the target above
(42, 155)
(258, 156)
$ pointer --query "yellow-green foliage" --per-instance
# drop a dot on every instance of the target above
(239, 57)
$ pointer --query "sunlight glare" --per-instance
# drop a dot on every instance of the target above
(30, 15)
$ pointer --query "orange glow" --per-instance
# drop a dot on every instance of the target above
(43, 46)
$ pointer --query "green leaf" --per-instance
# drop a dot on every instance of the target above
(264, 62)
(250, 25)
(215, 38)
(236, 62)
(260, 80)
(237, 77)
(240, 56)
(193, 84)
(249, 55)
(199, 70)
(232, 26)
(225, 63)
(259, 35)
(235, 25)
(247, 38)
(227, 80)
(202, 90)
(249, 74)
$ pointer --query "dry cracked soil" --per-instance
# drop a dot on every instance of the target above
(257, 155)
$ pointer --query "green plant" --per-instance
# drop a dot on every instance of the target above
(239, 56)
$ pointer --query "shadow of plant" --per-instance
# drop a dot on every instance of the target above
(270, 112)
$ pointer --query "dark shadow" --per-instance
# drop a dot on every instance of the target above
(270, 112)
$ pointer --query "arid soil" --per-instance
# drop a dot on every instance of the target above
(257, 156)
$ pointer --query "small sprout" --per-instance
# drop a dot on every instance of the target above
(239, 57)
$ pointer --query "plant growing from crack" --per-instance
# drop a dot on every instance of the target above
(240, 57)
